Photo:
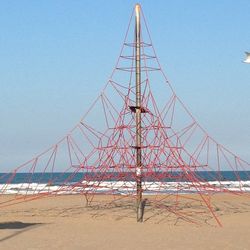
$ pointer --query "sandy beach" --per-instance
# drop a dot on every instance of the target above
(64, 222)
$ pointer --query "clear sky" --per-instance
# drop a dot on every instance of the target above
(55, 57)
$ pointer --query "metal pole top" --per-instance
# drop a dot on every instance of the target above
(137, 9)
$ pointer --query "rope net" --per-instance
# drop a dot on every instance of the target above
(98, 155)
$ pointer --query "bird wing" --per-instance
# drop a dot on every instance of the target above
(247, 60)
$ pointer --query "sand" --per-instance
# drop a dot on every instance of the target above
(64, 222)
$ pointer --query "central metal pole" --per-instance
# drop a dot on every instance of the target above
(138, 113)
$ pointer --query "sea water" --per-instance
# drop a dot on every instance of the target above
(74, 183)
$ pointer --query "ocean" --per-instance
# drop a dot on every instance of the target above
(123, 183)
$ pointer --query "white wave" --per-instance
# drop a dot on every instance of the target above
(125, 187)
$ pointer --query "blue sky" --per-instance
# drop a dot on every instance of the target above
(57, 55)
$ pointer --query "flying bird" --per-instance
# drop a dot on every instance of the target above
(247, 60)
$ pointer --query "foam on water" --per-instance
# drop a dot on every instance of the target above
(125, 187)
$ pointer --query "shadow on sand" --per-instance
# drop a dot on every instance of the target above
(18, 225)
(166, 211)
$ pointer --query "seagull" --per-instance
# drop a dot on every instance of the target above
(247, 60)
